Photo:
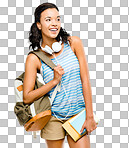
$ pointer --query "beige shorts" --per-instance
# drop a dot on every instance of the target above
(53, 130)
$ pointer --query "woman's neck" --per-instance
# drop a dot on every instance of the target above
(48, 42)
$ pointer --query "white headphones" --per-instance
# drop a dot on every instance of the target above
(56, 46)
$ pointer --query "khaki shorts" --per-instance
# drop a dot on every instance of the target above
(53, 130)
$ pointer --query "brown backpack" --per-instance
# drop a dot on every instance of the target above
(33, 116)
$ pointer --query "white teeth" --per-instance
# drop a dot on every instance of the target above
(53, 29)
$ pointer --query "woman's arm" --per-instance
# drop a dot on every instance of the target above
(84, 74)
(31, 66)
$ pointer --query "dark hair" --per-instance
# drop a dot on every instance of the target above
(35, 34)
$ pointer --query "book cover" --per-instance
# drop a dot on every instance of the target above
(74, 125)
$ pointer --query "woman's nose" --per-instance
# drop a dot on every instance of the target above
(54, 22)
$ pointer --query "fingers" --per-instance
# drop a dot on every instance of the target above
(59, 69)
(92, 129)
(58, 72)
(82, 129)
(88, 130)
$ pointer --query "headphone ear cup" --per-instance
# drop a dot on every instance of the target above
(48, 49)
(56, 46)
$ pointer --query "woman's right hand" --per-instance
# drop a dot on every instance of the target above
(58, 72)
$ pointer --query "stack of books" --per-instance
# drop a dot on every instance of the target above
(74, 125)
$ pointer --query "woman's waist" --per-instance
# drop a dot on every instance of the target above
(64, 107)
(66, 114)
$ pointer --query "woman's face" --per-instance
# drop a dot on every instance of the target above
(50, 23)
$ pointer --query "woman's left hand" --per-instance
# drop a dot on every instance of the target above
(89, 125)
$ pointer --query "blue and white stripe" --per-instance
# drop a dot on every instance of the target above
(72, 102)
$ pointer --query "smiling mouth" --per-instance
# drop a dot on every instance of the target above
(54, 31)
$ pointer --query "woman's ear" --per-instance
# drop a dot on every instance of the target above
(38, 25)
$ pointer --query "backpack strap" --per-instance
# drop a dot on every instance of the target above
(49, 62)
(44, 58)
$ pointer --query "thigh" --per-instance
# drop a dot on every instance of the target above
(55, 143)
(84, 142)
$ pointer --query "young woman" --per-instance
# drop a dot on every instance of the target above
(71, 71)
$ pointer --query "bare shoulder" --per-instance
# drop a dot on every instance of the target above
(75, 42)
(32, 59)
(74, 38)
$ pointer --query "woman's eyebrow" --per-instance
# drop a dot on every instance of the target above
(50, 17)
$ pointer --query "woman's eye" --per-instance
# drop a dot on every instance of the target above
(48, 20)
(58, 19)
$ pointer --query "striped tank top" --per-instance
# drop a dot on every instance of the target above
(69, 101)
